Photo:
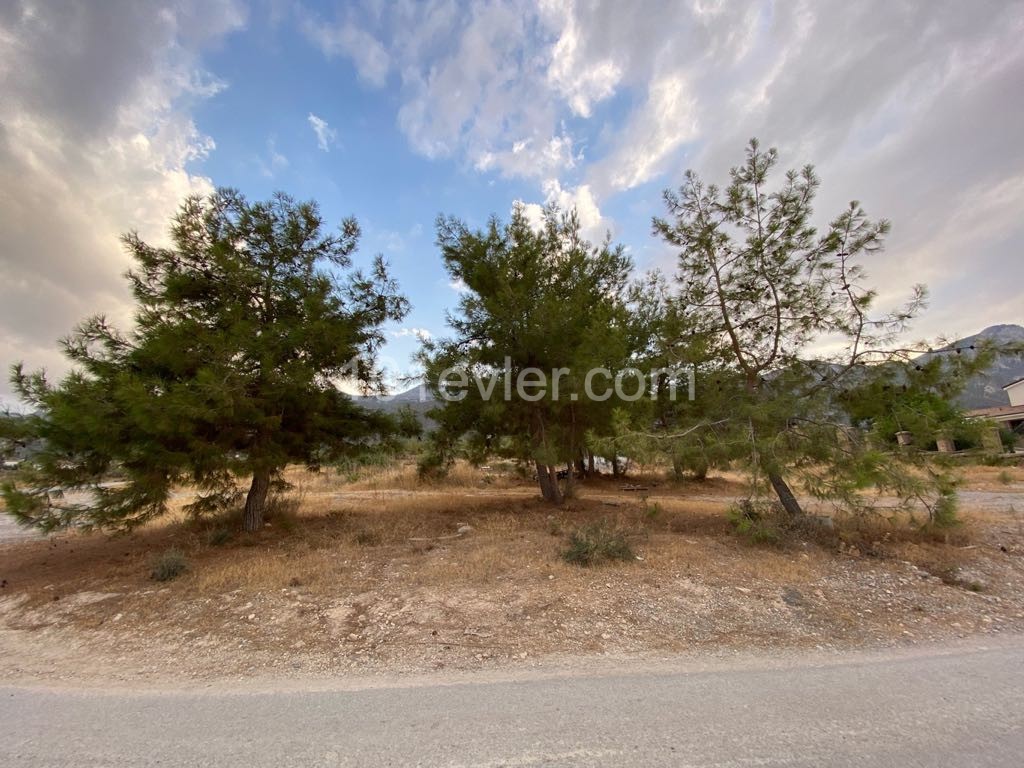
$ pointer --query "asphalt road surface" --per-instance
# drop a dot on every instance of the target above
(936, 708)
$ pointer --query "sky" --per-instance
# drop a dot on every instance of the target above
(394, 112)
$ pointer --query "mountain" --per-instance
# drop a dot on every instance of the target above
(417, 398)
(986, 389)
(982, 391)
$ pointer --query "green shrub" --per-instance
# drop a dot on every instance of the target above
(943, 514)
(761, 521)
(1005, 478)
(169, 565)
(596, 543)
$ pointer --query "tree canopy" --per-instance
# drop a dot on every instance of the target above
(780, 323)
(243, 329)
(537, 300)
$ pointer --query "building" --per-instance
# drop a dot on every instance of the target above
(1007, 416)
(1015, 391)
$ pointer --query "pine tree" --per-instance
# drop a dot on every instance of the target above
(243, 329)
(779, 324)
(542, 299)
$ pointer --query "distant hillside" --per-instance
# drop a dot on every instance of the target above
(418, 399)
(986, 390)
(983, 391)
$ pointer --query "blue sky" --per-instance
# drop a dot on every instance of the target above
(111, 112)
(362, 164)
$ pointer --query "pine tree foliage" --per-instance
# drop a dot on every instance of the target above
(780, 324)
(243, 330)
(542, 299)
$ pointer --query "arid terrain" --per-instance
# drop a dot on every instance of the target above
(367, 573)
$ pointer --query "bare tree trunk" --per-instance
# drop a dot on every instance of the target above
(570, 480)
(547, 477)
(785, 494)
(256, 500)
(615, 467)
(544, 479)
(556, 491)
(590, 464)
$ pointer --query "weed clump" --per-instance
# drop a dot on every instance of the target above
(368, 539)
(597, 543)
(169, 565)
(218, 537)
(760, 521)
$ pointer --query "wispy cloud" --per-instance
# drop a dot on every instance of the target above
(325, 135)
(419, 333)
(275, 162)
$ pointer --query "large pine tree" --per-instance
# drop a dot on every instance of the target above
(243, 330)
(536, 299)
(781, 326)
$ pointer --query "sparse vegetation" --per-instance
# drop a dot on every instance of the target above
(169, 565)
(596, 543)
(218, 536)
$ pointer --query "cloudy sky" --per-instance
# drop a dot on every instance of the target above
(111, 112)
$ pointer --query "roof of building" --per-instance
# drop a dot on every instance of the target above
(1012, 383)
(1000, 412)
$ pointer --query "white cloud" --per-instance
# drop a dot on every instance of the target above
(347, 39)
(903, 106)
(99, 142)
(593, 225)
(275, 162)
(418, 333)
(666, 121)
(325, 135)
(582, 82)
(458, 285)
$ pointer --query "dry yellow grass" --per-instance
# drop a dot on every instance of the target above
(360, 571)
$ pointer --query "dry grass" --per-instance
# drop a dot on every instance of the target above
(380, 570)
(982, 478)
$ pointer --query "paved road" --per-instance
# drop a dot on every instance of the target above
(959, 708)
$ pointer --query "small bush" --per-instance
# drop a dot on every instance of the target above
(596, 543)
(433, 465)
(943, 514)
(218, 537)
(1005, 478)
(652, 511)
(761, 521)
(169, 566)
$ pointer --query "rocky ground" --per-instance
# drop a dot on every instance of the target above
(360, 580)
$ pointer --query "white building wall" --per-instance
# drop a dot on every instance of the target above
(1016, 393)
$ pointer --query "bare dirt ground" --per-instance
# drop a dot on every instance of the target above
(366, 574)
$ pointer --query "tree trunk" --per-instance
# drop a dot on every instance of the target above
(570, 480)
(615, 467)
(590, 464)
(256, 500)
(785, 494)
(547, 477)
(677, 467)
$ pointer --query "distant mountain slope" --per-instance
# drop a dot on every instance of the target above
(983, 391)
(417, 398)
(986, 390)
